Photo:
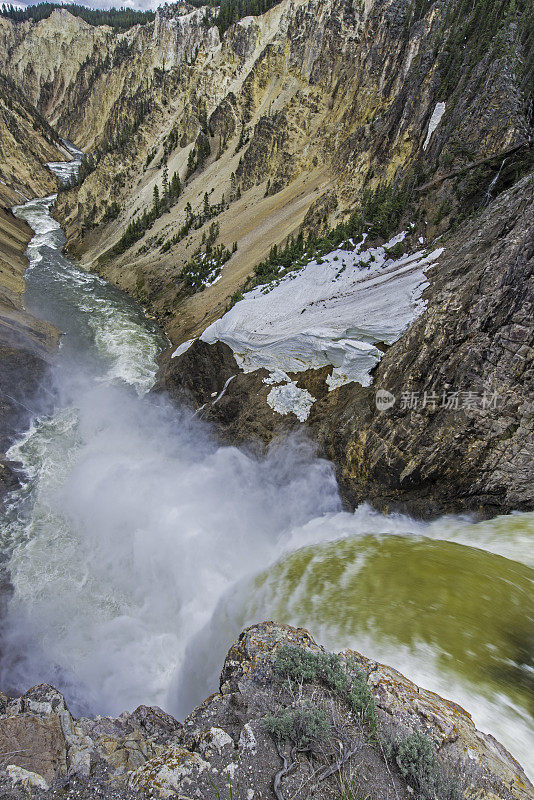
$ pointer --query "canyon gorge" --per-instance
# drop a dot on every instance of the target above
(271, 359)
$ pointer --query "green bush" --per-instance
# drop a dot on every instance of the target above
(302, 665)
(396, 251)
(421, 769)
(302, 726)
(295, 663)
(362, 702)
(235, 298)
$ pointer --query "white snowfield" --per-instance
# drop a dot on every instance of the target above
(327, 313)
(435, 119)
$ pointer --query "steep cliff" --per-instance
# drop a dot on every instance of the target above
(458, 435)
(27, 142)
(377, 118)
(289, 118)
(289, 720)
(220, 164)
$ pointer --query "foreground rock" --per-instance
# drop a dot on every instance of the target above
(474, 342)
(224, 748)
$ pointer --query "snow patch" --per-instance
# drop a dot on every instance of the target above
(289, 398)
(278, 376)
(182, 348)
(434, 122)
(333, 311)
(223, 390)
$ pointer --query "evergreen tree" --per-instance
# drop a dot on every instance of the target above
(166, 181)
(191, 164)
(175, 187)
(120, 19)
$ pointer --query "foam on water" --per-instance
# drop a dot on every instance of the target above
(66, 170)
(101, 320)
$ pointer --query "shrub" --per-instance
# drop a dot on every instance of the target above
(396, 251)
(294, 663)
(422, 770)
(302, 665)
(362, 701)
(235, 298)
(302, 726)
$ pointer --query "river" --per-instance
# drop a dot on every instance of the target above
(138, 548)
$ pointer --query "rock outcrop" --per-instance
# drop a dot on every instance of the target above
(227, 748)
(474, 341)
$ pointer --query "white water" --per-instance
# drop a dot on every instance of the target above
(132, 513)
(134, 547)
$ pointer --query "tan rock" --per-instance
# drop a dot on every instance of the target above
(34, 743)
(165, 773)
(26, 778)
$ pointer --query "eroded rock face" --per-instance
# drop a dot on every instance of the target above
(316, 100)
(27, 142)
(474, 340)
(40, 736)
(224, 742)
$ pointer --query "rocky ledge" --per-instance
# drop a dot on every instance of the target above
(289, 720)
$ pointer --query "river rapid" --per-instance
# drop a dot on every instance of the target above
(138, 548)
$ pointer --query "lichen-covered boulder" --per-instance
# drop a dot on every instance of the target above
(289, 720)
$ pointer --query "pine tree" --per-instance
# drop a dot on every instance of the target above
(166, 181)
(191, 164)
(175, 187)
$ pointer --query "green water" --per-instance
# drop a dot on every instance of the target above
(448, 603)
(474, 609)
